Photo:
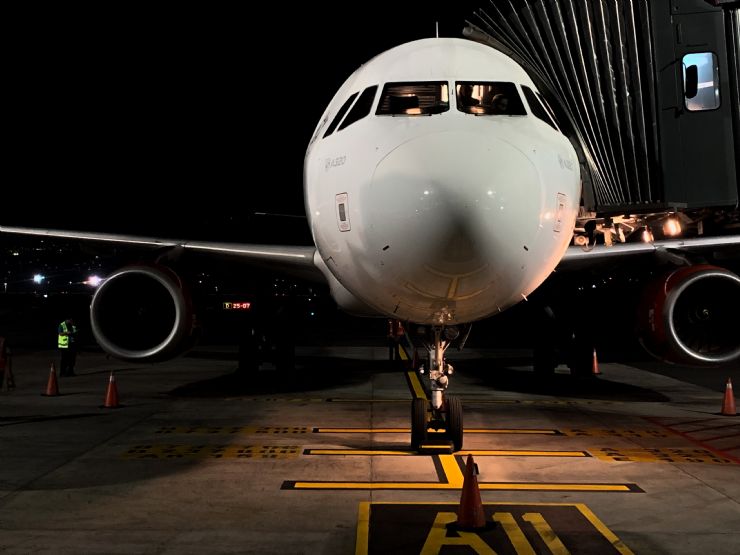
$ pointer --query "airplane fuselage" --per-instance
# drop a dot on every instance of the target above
(427, 210)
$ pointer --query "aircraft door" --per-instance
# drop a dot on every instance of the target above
(705, 162)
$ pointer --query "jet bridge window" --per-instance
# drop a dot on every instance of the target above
(538, 110)
(701, 81)
(489, 98)
(361, 107)
(340, 115)
(414, 99)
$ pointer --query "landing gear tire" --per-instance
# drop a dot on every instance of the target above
(454, 424)
(419, 423)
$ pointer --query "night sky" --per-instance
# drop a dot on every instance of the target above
(123, 109)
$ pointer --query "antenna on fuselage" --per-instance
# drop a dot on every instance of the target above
(436, 27)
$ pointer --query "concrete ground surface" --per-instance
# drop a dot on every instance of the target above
(198, 460)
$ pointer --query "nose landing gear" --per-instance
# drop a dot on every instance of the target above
(442, 411)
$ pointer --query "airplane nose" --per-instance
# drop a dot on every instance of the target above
(457, 209)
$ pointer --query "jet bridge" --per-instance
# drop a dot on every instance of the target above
(646, 90)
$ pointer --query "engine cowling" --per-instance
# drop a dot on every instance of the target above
(143, 313)
(690, 316)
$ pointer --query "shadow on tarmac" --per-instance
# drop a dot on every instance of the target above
(496, 375)
(310, 374)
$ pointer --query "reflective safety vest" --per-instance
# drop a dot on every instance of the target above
(64, 340)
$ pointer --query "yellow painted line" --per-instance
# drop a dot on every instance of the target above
(441, 430)
(363, 521)
(375, 485)
(362, 430)
(548, 486)
(601, 527)
(452, 470)
(522, 453)
(231, 430)
(512, 431)
(402, 352)
(474, 452)
(357, 452)
(363, 529)
(499, 486)
(418, 389)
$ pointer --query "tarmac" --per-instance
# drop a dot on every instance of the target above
(198, 459)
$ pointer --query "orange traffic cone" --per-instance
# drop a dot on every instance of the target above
(728, 405)
(111, 396)
(470, 514)
(52, 387)
(595, 366)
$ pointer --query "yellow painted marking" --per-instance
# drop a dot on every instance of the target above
(452, 470)
(668, 455)
(501, 486)
(521, 453)
(512, 431)
(362, 430)
(363, 529)
(418, 389)
(374, 485)
(474, 452)
(547, 534)
(554, 487)
(441, 430)
(212, 452)
(357, 452)
(626, 433)
(514, 533)
(220, 430)
(437, 537)
(601, 527)
(363, 525)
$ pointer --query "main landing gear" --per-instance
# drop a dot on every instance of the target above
(442, 411)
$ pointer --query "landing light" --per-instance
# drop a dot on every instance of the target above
(38, 278)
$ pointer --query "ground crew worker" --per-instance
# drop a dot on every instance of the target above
(67, 343)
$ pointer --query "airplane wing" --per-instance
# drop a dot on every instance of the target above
(293, 260)
(577, 258)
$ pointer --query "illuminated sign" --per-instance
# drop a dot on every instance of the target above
(236, 306)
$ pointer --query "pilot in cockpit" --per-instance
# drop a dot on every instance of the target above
(465, 97)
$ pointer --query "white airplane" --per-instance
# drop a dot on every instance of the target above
(439, 191)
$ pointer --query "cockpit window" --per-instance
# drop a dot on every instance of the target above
(488, 98)
(361, 107)
(340, 115)
(414, 99)
(537, 108)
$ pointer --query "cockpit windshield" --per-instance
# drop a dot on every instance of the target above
(487, 98)
(414, 99)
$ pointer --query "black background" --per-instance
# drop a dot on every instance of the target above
(158, 120)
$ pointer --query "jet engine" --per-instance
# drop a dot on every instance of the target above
(142, 313)
(690, 316)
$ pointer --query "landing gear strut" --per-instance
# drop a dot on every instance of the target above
(442, 411)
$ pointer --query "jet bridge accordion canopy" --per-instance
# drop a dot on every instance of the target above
(614, 72)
